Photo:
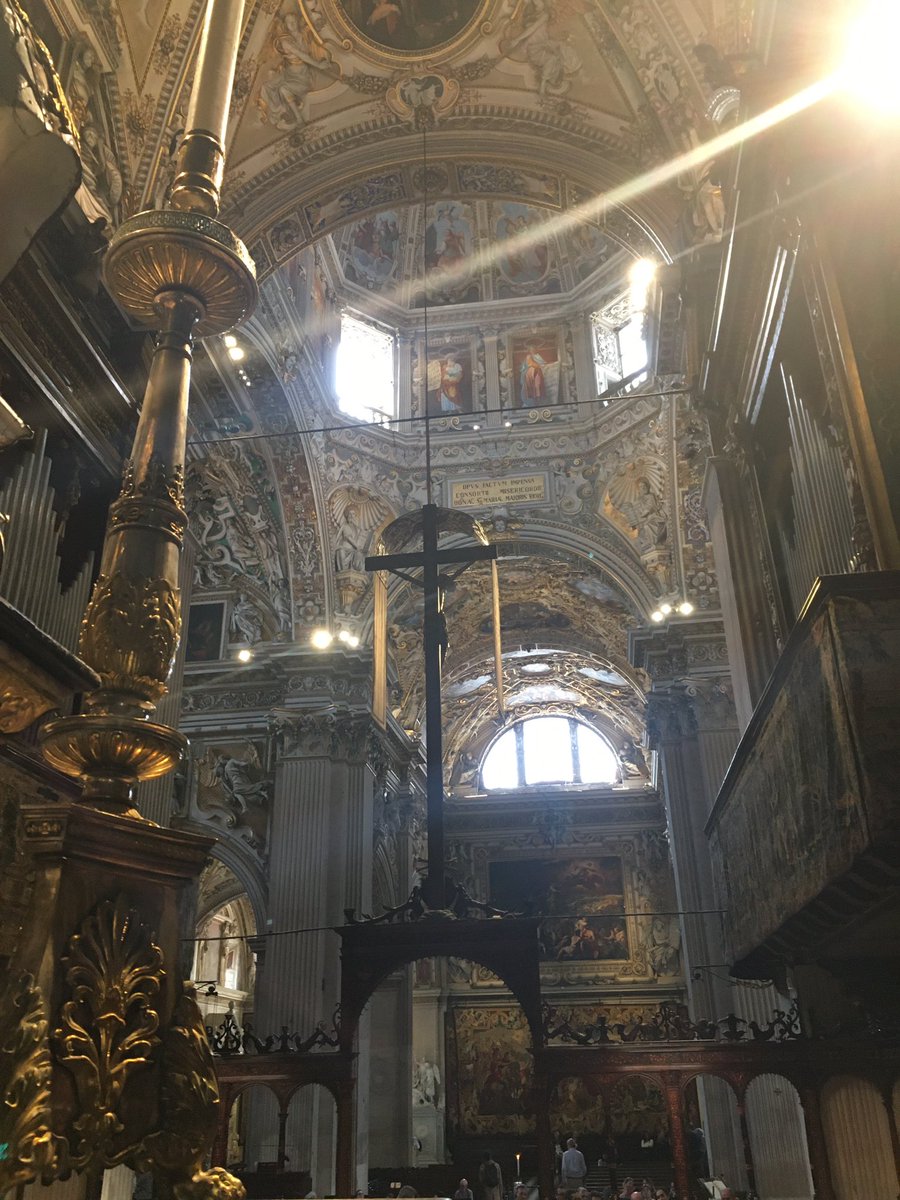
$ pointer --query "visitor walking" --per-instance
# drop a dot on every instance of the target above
(490, 1178)
(574, 1168)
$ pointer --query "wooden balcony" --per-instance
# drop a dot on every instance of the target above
(805, 831)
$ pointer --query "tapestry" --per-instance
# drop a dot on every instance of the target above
(582, 899)
(489, 1071)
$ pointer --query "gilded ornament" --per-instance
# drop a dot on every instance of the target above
(25, 1074)
(130, 631)
(108, 1029)
(162, 250)
(189, 1102)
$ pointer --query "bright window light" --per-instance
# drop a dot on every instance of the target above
(620, 350)
(869, 69)
(364, 375)
(500, 768)
(596, 760)
(548, 750)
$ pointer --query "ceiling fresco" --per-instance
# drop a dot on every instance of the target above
(385, 255)
(526, 110)
(332, 95)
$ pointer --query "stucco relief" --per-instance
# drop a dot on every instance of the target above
(229, 789)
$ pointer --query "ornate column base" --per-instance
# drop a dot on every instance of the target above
(106, 1059)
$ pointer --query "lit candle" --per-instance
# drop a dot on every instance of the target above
(518, 1164)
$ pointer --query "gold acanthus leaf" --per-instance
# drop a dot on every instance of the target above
(27, 1146)
(189, 1103)
(108, 1029)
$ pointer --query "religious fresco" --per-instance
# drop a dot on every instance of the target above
(296, 64)
(205, 628)
(536, 370)
(588, 249)
(581, 899)
(450, 238)
(489, 1071)
(372, 257)
(410, 25)
(449, 382)
(528, 259)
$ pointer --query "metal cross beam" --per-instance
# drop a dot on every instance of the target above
(430, 559)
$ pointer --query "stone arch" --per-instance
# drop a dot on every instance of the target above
(363, 169)
(247, 874)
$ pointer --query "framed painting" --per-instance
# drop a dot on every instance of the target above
(205, 632)
(582, 901)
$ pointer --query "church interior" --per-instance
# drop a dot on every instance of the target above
(449, 598)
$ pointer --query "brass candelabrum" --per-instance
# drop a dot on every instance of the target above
(183, 273)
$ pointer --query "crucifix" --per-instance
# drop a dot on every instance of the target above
(435, 584)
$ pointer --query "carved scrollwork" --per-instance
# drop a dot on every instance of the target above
(189, 1100)
(130, 631)
(108, 1028)
(25, 1073)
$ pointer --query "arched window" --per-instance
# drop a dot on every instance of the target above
(548, 750)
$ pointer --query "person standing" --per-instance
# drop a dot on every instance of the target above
(490, 1178)
(463, 1192)
(574, 1168)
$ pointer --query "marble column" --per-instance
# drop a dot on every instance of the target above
(320, 863)
(491, 339)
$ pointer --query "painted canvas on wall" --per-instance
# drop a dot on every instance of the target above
(581, 899)
(450, 382)
(536, 371)
(205, 627)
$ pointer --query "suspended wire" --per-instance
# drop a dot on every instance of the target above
(346, 426)
(246, 937)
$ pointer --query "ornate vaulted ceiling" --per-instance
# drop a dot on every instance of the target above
(543, 101)
(358, 128)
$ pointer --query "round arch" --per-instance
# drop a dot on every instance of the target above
(247, 875)
(376, 174)
(373, 950)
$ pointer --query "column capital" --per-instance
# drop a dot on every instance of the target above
(670, 716)
(690, 707)
(328, 733)
(682, 651)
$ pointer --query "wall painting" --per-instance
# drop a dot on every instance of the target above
(536, 371)
(581, 899)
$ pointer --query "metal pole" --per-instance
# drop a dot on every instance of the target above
(433, 638)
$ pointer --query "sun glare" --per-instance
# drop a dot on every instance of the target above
(869, 69)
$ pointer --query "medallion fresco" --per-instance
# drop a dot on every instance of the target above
(409, 25)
